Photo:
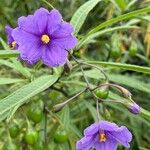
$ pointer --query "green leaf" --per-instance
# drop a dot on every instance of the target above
(120, 18)
(87, 39)
(4, 44)
(20, 68)
(22, 95)
(81, 14)
(135, 68)
(9, 81)
(8, 53)
(130, 82)
(145, 114)
(17, 66)
(134, 123)
(131, 3)
(65, 117)
(92, 110)
(13, 53)
(93, 73)
(7, 63)
(10, 114)
(121, 4)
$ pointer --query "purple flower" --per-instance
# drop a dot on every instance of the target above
(104, 135)
(44, 36)
(134, 108)
(11, 40)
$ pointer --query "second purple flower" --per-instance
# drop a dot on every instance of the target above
(44, 36)
(104, 135)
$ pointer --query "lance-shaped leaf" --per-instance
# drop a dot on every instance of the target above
(23, 94)
(81, 14)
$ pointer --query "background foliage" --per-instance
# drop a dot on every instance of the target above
(114, 34)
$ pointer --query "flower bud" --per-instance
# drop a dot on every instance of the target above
(134, 108)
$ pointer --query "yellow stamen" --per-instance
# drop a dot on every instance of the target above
(45, 39)
(102, 137)
(13, 44)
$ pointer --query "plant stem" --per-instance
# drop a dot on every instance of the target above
(59, 106)
(88, 86)
(45, 125)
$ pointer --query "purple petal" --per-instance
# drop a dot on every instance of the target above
(23, 37)
(67, 42)
(109, 144)
(123, 136)
(108, 126)
(30, 52)
(54, 55)
(85, 143)
(54, 21)
(8, 29)
(65, 29)
(29, 24)
(41, 17)
(134, 108)
(29, 45)
(92, 129)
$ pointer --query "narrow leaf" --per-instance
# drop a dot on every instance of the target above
(8, 53)
(145, 114)
(119, 18)
(81, 14)
(9, 81)
(65, 117)
(131, 82)
(21, 95)
(135, 68)
(90, 37)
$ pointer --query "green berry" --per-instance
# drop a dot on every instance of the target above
(133, 49)
(14, 130)
(60, 136)
(31, 137)
(35, 114)
(102, 93)
(115, 53)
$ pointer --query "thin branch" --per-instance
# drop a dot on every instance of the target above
(59, 106)
(98, 68)
(124, 91)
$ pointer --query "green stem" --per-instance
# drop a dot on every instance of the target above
(45, 124)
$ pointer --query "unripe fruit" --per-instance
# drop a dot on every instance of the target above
(102, 93)
(116, 53)
(133, 49)
(14, 130)
(35, 114)
(31, 137)
(60, 136)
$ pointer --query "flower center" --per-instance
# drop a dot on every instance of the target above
(13, 44)
(45, 39)
(102, 137)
